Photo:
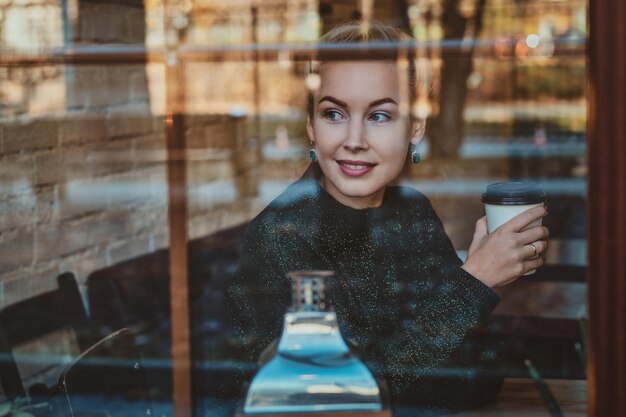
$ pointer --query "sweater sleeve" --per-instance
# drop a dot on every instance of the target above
(257, 297)
(260, 294)
(439, 355)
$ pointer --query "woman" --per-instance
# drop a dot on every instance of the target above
(402, 296)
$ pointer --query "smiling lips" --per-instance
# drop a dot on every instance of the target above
(355, 168)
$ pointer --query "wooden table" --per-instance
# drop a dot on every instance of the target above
(384, 413)
(520, 397)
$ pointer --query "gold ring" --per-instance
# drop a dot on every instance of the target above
(534, 249)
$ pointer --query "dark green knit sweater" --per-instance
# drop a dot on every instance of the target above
(401, 298)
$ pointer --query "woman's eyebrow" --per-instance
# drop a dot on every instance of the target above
(344, 104)
(382, 101)
(334, 100)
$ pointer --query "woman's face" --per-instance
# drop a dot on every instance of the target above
(360, 130)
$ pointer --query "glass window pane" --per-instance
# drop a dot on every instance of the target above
(142, 143)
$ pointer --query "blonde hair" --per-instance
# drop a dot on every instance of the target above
(353, 32)
(366, 33)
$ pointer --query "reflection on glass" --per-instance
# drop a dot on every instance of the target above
(313, 368)
(83, 179)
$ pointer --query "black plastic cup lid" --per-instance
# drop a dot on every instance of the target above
(514, 193)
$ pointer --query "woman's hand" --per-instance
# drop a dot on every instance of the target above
(507, 253)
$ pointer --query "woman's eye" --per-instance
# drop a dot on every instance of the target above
(379, 117)
(332, 115)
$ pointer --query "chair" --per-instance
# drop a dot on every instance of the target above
(59, 313)
(539, 319)
(107, 379)
(135, 293)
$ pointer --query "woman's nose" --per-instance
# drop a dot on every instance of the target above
(356, 139)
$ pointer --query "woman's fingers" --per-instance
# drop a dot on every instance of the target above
(525, 219)
(480, 232)
(534, 249)
(534, 233)
(527, 266)
(481, 227)
(533, 263)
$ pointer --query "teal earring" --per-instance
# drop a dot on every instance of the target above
(415, 155)
(312, 155)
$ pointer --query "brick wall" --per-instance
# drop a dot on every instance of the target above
(26, 26)
(83, 184)
(76, 196)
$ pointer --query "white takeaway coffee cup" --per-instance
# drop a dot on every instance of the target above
(505, 200)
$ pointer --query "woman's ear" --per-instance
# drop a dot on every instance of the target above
(309, 130)
(418, 129)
